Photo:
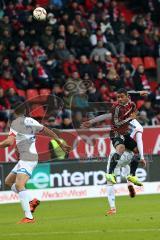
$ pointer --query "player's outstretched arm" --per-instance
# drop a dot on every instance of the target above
(48, 132)
(9, 141)
(95, 120)
(141, 93)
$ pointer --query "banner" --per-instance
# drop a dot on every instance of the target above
(77, 174)
(79, 192)
(93, 143)
(40, 177)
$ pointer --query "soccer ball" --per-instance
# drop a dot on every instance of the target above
(40, 14)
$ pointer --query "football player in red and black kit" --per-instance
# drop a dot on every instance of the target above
(123, 112)
(124, 127)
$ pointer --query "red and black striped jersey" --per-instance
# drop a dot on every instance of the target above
(121, 117)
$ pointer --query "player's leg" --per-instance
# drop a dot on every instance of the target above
(137, 131)
(125, 173)
(24, 172)
(21, 180)
(132, 145)
(114, 158)
(111, 199)
(10, 181)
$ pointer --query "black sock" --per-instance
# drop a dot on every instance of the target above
(113, 163)
(134, 165)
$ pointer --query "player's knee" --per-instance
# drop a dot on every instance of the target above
(120, 149)
(139, 129)
(19, 186)
(8, 182)
(135, 150)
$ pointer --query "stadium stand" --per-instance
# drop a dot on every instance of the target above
(102, 42)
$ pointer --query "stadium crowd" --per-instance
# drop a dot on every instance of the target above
(86, 47)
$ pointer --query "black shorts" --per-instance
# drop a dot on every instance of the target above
(128, 142)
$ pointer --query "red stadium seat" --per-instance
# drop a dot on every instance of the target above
(37, 111)
(44, 93)
(21, 93)
(149, 63)
(140, 103)
(136, 61)
(153, 85)
(32, 95)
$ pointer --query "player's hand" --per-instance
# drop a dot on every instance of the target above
(66, 148)
(143, 93)
(143, 162)
(133, 115)
(85, 125)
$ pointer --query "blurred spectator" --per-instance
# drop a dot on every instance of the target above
(47, 37)
(94, 94)
(77, 119)
(2, 50)
(98, 36)
(156, 119)
(135, 47)
(99, 50)
(5, 66)
(21, 74)
(13, 97)
(127, 80)
(40, 76)
(143, 119)
(83, 43)
(84, 66)
(71, 38)
(108, 62)
(6, 81)
(61, 51)
(123, 64)
(147, 108)
(79, 22)
(114, 79)
(70, 66)
(140, 79)
(4, 106)
(96, 65)
(66, 123)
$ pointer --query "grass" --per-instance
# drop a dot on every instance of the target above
(137, 219)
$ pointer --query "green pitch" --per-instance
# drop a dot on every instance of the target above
(137, 219)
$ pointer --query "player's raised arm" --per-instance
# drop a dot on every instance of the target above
(9, 141)
(141, 93)
(48, 132)
(95, 120)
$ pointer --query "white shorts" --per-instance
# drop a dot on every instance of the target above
(135, 127)
(25, 167)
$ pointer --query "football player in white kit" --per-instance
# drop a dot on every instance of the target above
(23, 130)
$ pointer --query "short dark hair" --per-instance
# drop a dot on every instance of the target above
(19, 108)
(122, 90)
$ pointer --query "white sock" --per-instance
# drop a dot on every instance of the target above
(24, 198)
(111, 196)
(13, 188)
(140, 144)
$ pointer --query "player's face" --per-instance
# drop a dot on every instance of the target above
(122, 98)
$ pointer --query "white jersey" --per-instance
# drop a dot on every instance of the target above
(25, 129)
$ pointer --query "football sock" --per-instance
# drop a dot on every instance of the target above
(140, 144)
(133, 166)
(111, 196)
(113, 162)
(13, 188)
(24, 199)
